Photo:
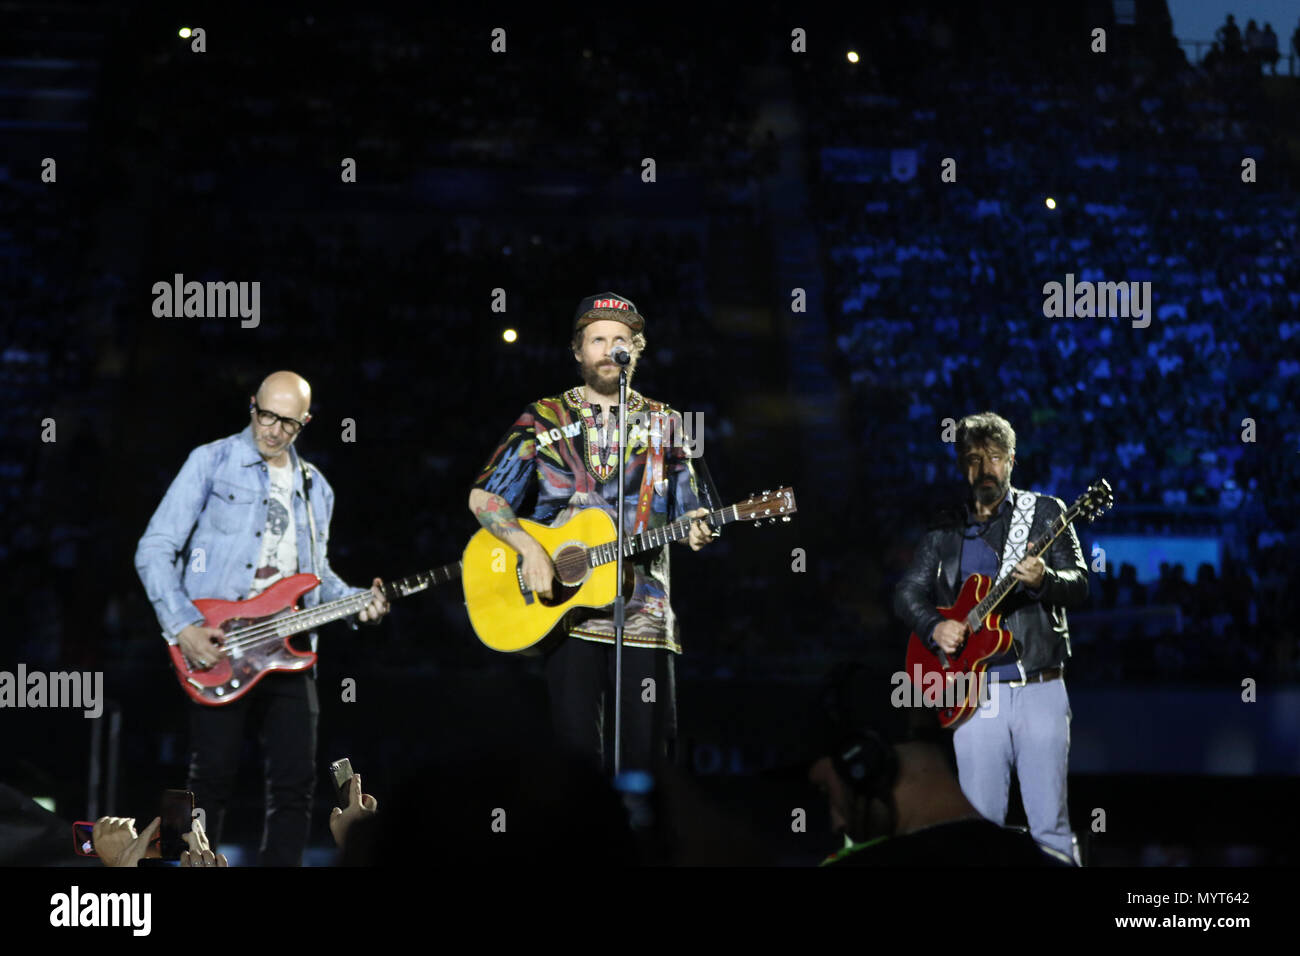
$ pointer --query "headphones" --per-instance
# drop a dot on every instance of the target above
(867, 763)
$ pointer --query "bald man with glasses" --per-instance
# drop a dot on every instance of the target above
(243, 513)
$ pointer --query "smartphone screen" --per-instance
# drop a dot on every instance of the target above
(83, 842)
(340, 775)
(177, 813)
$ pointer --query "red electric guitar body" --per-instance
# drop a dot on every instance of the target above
(961, 674)
(959, 679)
(246, 663)
(257, 632)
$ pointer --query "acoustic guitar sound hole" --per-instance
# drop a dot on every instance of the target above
(571, 565)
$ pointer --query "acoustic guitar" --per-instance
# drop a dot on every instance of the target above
(508, 616)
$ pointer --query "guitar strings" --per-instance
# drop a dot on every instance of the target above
(257, 633)
(681, 526)
(267, 631)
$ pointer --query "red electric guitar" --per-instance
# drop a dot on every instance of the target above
(958, 679)
(258, 631)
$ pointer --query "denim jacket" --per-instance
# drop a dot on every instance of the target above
(202, 541)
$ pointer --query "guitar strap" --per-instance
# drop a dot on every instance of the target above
(311, 528)
(311, 519)
(1022, 519)
(652, 477)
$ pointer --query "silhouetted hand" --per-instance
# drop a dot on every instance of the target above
(360, 806)
(117, 843)
(200, 852)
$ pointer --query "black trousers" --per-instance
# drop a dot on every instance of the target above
(580, 678)
(284, 709)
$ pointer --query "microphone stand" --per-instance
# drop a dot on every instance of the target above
(618, 575)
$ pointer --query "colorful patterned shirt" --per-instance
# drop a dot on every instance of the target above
(560, 447)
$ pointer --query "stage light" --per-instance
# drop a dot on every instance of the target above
(853, 57)
(185, 33)
(1051, 203)
(46, 802)
(510, 335)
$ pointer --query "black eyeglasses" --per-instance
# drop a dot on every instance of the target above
(266, 419)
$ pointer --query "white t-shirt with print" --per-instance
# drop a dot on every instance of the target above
(279, 557)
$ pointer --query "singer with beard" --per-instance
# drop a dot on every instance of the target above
(565, 450)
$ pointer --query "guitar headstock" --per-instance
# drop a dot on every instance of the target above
(1098, 498)
(769, 506)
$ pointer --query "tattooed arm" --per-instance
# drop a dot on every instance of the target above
(494, 513)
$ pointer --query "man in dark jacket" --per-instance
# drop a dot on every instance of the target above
(1025, 720)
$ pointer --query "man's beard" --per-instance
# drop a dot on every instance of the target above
(987, 494)
(604, 381)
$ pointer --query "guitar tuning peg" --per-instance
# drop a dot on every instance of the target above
(785, 518)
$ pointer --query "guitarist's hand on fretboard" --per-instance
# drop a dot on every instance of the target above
(377, 608)
(1031, 569)
(701, 533)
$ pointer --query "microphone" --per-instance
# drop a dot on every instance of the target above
(621, 355)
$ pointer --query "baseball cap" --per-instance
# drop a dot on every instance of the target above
(608, 305)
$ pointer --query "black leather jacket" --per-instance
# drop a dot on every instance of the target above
(1038, 626)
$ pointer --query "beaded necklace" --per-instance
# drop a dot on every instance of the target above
(594, 444)
(602, 471)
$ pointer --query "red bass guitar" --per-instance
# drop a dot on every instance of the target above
(257, 632)
(955, 682)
